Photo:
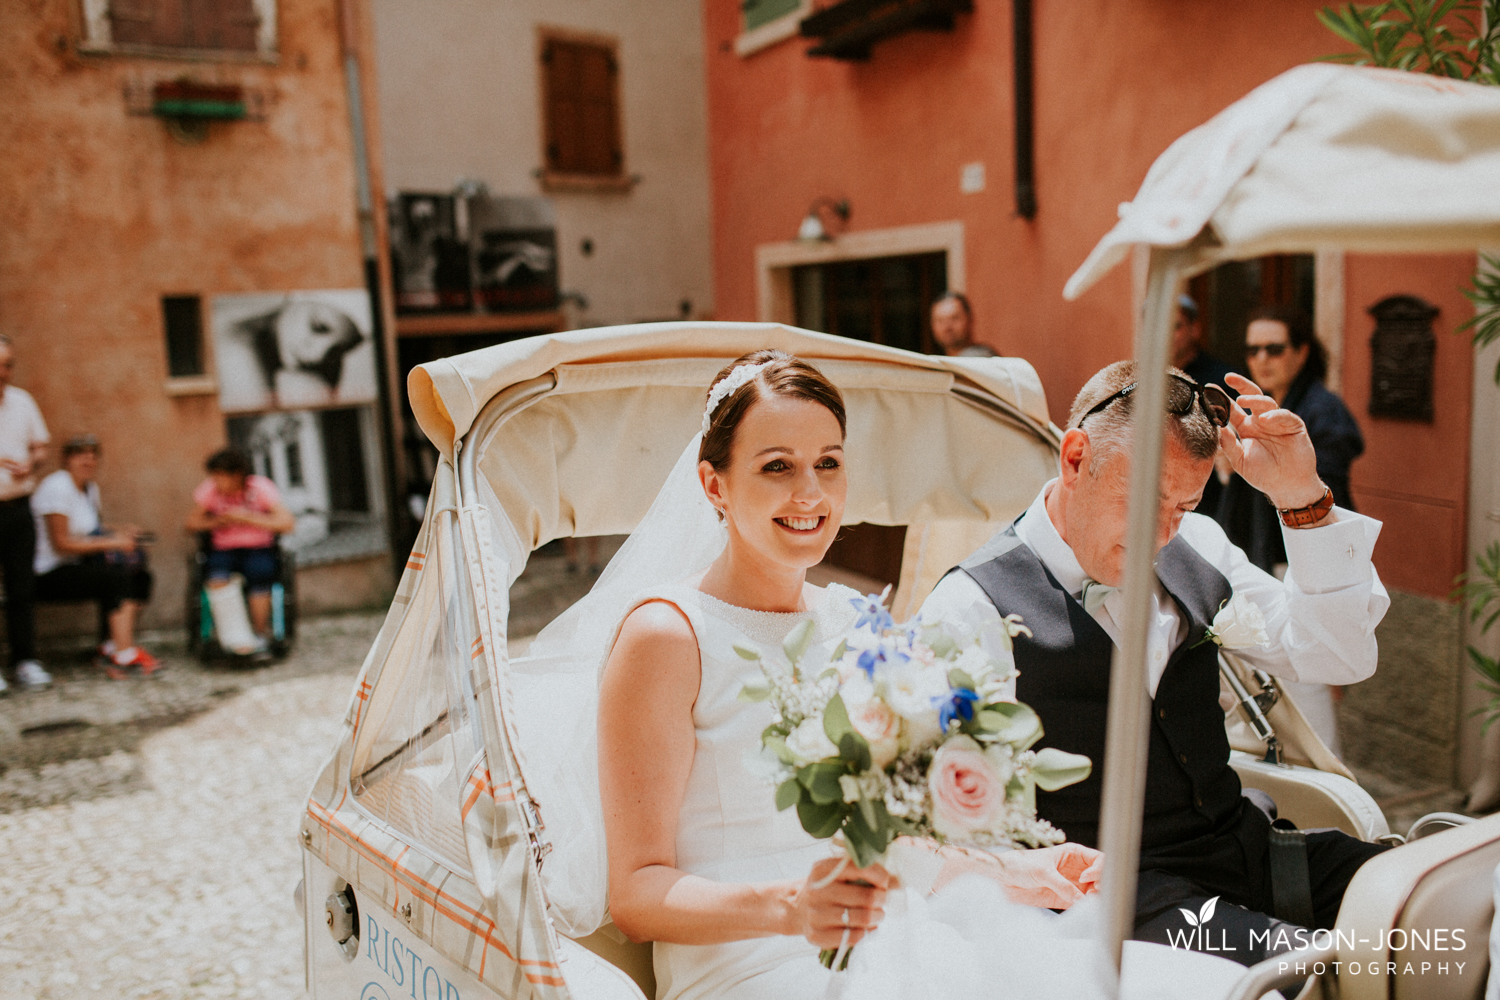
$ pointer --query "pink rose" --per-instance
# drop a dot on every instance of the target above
(880, 727)
(966, 786)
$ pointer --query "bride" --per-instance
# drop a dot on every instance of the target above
(736, 896)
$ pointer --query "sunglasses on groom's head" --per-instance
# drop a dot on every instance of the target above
(1182, 393)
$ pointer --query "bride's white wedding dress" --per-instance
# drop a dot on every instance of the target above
(966, 941)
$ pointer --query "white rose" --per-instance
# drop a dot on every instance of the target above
(881, 728)
(809, 742)
(1239, 625)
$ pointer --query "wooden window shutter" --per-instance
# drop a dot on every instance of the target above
(582, 128)
(226, 25)
(146, 22)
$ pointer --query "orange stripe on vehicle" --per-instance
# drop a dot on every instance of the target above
(532, 977)
(457, 911)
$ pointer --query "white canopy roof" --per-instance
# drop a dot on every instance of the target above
(1364, 159)
(446, 395)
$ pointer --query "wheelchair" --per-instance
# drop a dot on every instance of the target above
(202, 638)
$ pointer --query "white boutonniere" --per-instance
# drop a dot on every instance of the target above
(1238, 625)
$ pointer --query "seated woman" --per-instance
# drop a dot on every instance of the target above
(243, 514)
(79, 558)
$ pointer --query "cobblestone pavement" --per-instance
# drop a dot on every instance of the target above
(183, 887)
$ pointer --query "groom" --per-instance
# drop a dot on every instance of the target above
(1057, 567)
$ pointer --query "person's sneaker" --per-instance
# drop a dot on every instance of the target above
(31, 677)
(136, 657)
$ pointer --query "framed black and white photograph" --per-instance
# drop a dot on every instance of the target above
(325, 463)
(429, 253)
(291, 350)
(513, 245)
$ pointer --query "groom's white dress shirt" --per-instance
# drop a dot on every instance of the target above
(1321, 619)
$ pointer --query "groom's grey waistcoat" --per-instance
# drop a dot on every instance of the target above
(1191, 792)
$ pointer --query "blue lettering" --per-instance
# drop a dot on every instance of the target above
(451, 993)
(400, 974)
(371, 936)
(415, 961)
(434, 973)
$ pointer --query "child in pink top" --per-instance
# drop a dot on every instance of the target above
(243, 514)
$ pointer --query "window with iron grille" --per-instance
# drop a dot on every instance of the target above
(580, 96)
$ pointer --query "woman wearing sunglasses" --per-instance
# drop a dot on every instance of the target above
(1288, 363)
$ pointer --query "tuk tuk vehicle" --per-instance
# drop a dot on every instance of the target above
(443, 843)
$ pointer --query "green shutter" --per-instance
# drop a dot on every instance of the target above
(759, 12)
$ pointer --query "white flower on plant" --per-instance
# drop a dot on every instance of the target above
(913, 692)
(1238, 625)
(871, 785)
(809, 741)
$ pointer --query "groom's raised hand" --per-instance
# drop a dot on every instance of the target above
(1269, 447)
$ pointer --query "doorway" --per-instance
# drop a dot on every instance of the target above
(1228, 294)
(885, 300)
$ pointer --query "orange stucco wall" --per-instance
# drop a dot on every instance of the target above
(102, 213)
(1115, 83)
(1414, 475)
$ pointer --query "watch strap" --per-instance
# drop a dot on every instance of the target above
(1302, 517)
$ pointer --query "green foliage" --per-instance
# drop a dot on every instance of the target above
(1485, 294)
(1452, 38)
(1481, 591)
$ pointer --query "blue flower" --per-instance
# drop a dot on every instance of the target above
(872, 614)
(958, 704)
(869, 659)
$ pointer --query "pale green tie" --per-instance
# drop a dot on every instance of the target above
(1094, 595)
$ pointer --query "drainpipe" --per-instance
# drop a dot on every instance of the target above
(1025, 119)
(398, 537)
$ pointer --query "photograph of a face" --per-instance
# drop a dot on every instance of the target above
(292, 350)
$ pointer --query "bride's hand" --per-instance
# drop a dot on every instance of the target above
(1054, 877)
(853, 900)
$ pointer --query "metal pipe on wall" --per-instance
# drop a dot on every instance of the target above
(1128, 728)
(1025, 109)
(397, 534)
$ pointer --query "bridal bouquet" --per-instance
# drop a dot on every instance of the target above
(904, 729)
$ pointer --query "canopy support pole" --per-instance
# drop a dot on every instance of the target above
(1129, 724)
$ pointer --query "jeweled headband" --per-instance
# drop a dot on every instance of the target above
(727, 385)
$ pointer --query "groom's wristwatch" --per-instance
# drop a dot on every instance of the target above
(1306, 517)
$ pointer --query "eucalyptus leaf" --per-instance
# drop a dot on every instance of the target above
(836, 720)
(788, 794)
(960, 681)
(746, 653)
(820, 821)
(797, 641)
(777, 745)
(1022, 728)
(839, 651)
(822, 781)
(756, 690)
(1053, 768)
(855, 751)
(941, 644)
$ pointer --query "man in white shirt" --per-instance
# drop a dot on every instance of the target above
(23, 446)
(1057, 567)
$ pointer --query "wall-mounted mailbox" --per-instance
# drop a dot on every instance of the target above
(1401, 358)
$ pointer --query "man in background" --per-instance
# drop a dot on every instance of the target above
(953, 327)
(23, 446)
(1205, 369)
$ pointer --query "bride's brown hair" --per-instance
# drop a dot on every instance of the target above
(784, 375)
